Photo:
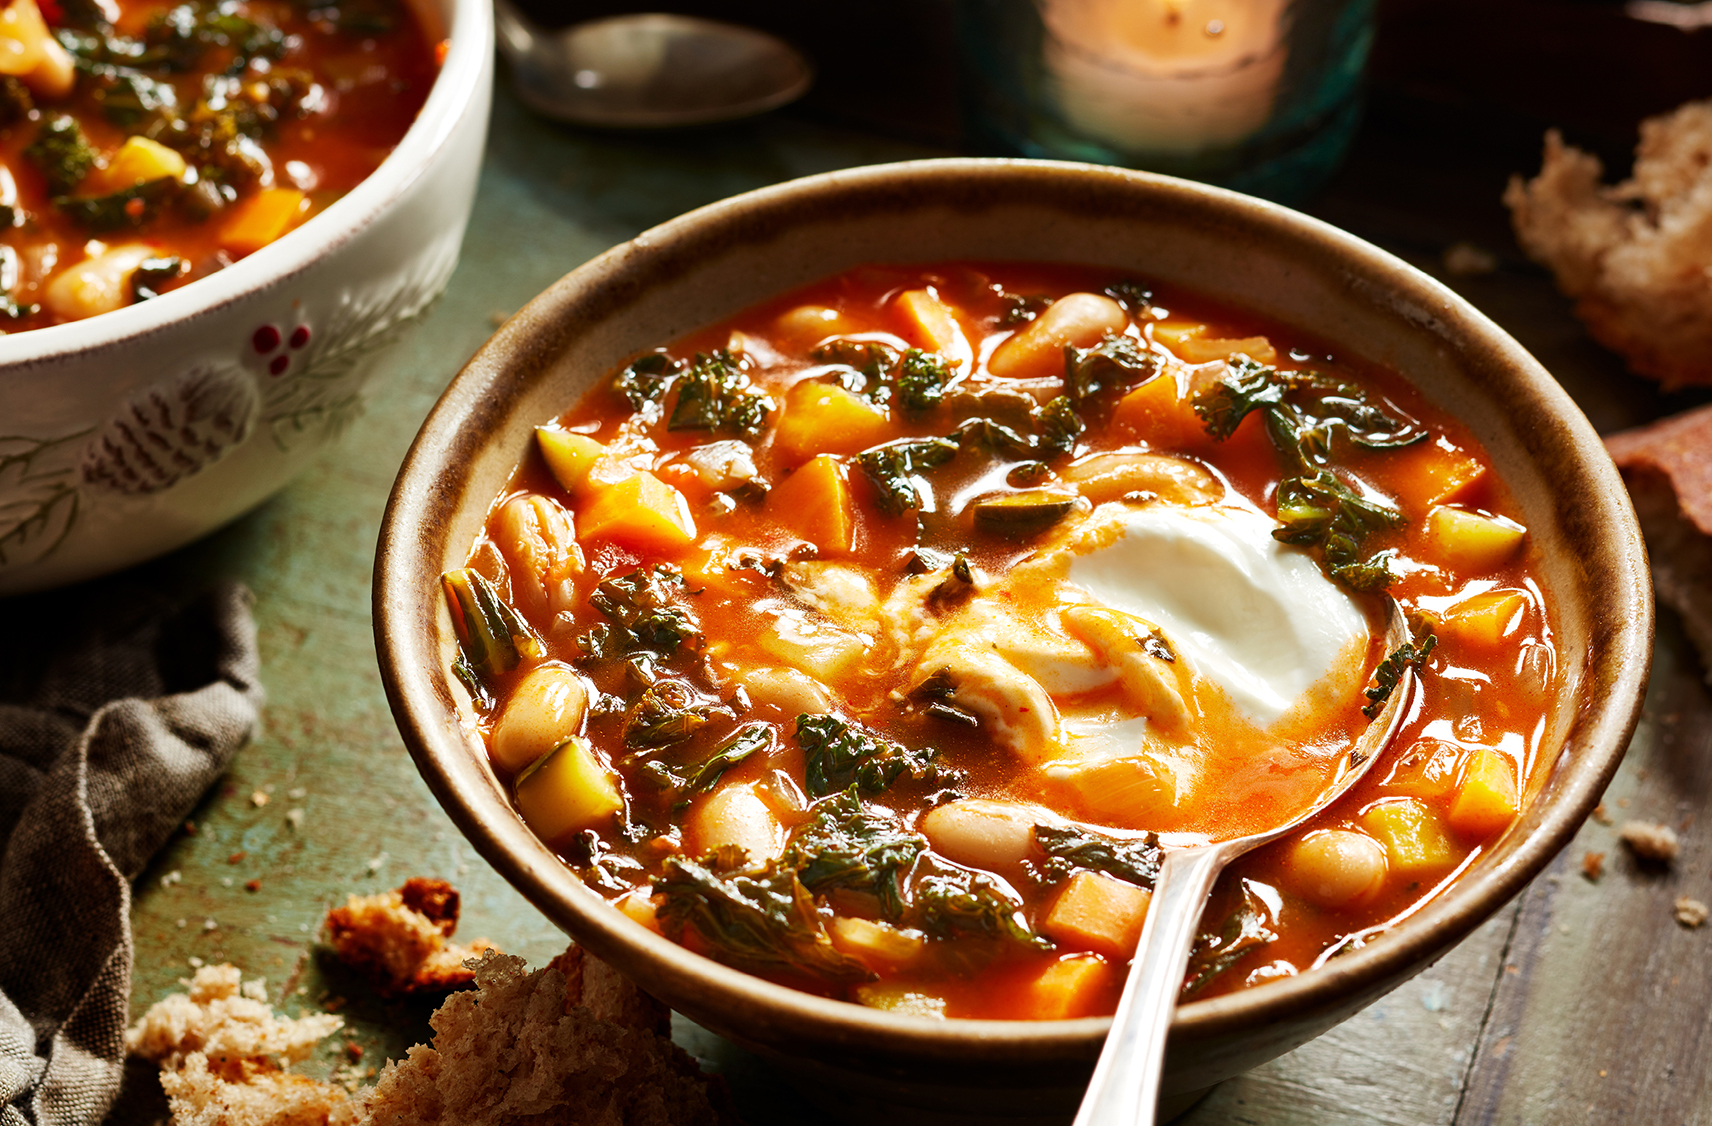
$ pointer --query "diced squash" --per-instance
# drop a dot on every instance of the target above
(1429, 473)
(807, 325)
(824, 418)
(568, 791)
(892, 997)
(1473, 543)
(1483, 620)
(735, 815)
(1121, 791)
(932, 325)
(1097, 913)
(28, 50)
(257, 221)
(1426, 770)
(1486, 800)
(1159, 414)
(640, 511)
(1413, 835)
(1036, 351)
(1076, 986)
(875, 943)
(814, 502)
(1198, 348)
(138, 161)
(569, 456)
(639, 905)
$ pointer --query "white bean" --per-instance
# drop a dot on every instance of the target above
(95, 285)
(540, 545)
(790, 692)
(736, 815)
(1338, 867)
(545, 708)
(983, 833)
(1106, 477)
(1037, 350)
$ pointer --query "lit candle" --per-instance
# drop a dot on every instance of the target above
(1164, 76)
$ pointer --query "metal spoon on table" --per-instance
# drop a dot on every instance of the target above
(648, 71)
(1125, 1087)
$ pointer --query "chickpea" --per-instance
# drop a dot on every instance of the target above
(1037, 350)
(545, 708)
(540, 545)
(1338, 867)
(983, 833)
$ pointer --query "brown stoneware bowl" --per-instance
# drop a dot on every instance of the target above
(715, 262)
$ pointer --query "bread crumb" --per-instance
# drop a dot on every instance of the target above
(1601, 814)
(1634, 256)
(1650, 842)
(1691, 913)
(1593, 865)
(258, 799)
(401, 939)
(294, 819)
(1465, 260)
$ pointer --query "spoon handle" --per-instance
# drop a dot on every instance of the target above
(1125, 1087)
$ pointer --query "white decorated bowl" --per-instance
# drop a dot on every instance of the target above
(132, 433)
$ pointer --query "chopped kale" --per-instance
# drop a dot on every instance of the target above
(1059, 425)
(1245, 387)
(715, 394)
(840, 753)
(872, 358)
(668, 711)
(1111, 367)
(1020, 309)
(62, 153)
(1131, 294)
(15, 101)
(1390, 671)
(153, 273)
(492, 637)
(133, 207)
(893, 467)
(642, 614)
(1319, 510)
(645, 379)
(741, 744)
(176, 40)
(985, 433)
(959, 902)
(1245, 930)
(1028, 473)
(9, 306)
(847, 845)
(761, 917)
(1069, 850)
(1306, 413)
(922, 379)
(129, 97)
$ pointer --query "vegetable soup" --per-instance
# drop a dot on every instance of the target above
(874, 640)
(145, 144)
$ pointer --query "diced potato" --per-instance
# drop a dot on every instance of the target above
(568, 791)
(1080, 985)
(1413, 835)
(95, 285)
(1429, 473)
(932, 325)
(1473, 543)
(983, 833)
(824, 418)
(1097, 913)
(641, 511)
(639, 905)
(817, 647)
(807, 325)
(29, 51)
(735, 815)
(1159, 414)
(545, 708)
(1176, 480)
(876, 943)
(138, 161)
(569, 456)
(253, 223)
(892, 997)
(1486, 800)
(814, 502)
(1484, 620)
(1036, 351)
(1338, 867)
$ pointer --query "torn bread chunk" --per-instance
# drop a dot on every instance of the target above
(571, 1043)
(223, 1053)
(402, 939)
(1690, 912)
(1637, 256)
(1657, 844)
(1668, 468)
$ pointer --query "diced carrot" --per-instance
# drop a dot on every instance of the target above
(639, 905)
(1099, 914)
(1486, 800)
(932, 325)
(1158, 414)
(259, 220)
(1076, 986)
(814, 502)
(1429, 473)
(641, 511)
(824, 418)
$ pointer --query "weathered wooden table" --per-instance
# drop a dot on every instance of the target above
(1581, 1001)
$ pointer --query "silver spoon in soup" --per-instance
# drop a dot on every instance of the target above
(1125, 1088)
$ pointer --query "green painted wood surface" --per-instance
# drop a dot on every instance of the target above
(1514, 1026)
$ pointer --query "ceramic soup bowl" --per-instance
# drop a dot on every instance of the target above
(111, 428)
(715, 262)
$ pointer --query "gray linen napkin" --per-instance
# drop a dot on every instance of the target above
(115, 716)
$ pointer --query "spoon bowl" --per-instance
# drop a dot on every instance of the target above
(648, 71)
(1125, 1088)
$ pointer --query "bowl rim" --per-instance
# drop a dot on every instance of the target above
(409, 550)
(466, 69)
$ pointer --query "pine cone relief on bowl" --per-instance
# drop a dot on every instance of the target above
(172, 431)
